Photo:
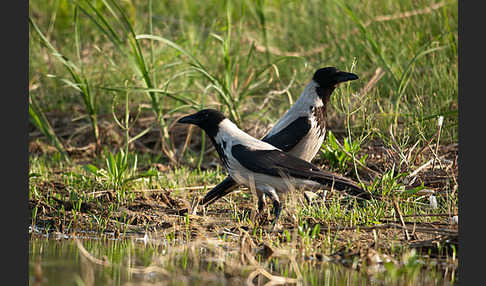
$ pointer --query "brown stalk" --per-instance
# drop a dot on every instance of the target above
(399, 212)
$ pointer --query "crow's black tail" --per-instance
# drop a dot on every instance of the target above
(221, 190)
(344, 184)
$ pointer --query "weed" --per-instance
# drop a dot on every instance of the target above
(340, 158)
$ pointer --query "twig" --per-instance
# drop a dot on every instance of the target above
(440, 121)
(278, 92)
(392, 225)
(274, 280)
(276, 51)
(423, 166)
(379, 72)
(407, 14)
(105, 262)
(395, 146)
(156, 190)
(399, 212)
(419, 192)
(186, 142)
(89, 256)
(425, 146)
(188, 136)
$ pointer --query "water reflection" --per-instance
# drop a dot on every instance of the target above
(136, 262)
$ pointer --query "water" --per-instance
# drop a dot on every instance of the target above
(60, 260)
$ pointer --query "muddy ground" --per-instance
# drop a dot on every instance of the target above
(160, 211)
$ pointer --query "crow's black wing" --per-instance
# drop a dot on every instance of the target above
(290, 136)
(277, 163)
(273, 162)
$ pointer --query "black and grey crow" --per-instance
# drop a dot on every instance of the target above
(252, 162)
(302, 129)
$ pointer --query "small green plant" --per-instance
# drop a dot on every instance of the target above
(121, 167)
(340, 157)
(389, 182)
(34, 217)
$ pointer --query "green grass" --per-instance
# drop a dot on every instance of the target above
(418, 54)
(99, 68)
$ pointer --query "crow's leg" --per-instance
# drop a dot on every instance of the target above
(260, 217)
(277, 209)
(277, 206)
(261, 200)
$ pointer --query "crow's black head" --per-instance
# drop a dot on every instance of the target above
(331, 76)
(206, 119)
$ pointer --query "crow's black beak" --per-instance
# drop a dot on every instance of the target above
(190, 119)
(344, 76)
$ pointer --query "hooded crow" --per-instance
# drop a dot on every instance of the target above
(252, 162)
(302, 129)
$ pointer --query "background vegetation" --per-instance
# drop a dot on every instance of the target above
(179, 56)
